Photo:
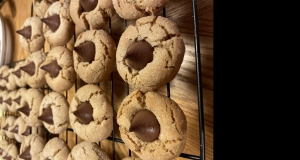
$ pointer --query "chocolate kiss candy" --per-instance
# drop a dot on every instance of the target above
(17, 100)
(16, 129)
(1, 150)
(86, 51)
(84, 113)
(6, 127)
(52, 68)
(26, 154)
(139, 54)
(47, 116)
(88, 5)
(6, 78)
(145, 125)
(27, 132)
(17, 73)
(1, 100)
(8, 101)
(25, 32)
(29, 68)
(52, 22)
(25, 109)
(7, 156)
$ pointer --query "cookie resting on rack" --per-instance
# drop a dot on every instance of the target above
(19, 75)
(32, 147)
(11, 152)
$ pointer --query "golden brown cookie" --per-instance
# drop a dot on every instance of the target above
(91, 14)
(58, 26)
(34, 76)
(133, 9)
(54, 112)
(11, 152)
(19, 75)
(31, 34)
(94, 56)
(55, 149)
(59, 66)
(41, 6)
(152, 125)
(32, 147)
(149, 54)
(87, 150)
(90, 112)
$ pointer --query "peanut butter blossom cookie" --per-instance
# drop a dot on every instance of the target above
(32, 147)
(19, 75)
(8, 125)
(55, 149)
(11, 152)
(41, 6)
(9, 78)
(87, 150)
(149, 54)
(152, 125)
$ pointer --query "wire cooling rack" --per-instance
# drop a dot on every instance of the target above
(47, 135)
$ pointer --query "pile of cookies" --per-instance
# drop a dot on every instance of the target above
(147, 56)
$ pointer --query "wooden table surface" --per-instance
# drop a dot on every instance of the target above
(183, 89)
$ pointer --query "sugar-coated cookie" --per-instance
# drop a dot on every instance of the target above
(10, 80)
(34, 76)
(87, 150)
(18, 127)
(8, 125)
(11, 152)
(3, 97)
(19, 75)
(32, 147)
(90, 112)
(132, 9)
(58, 26)
(55, 149)
(31, 34)
(149, 54)
(94, 56)
(54, 112)
(91, 14)
(152, 125)
(41, 6)
(59, 66)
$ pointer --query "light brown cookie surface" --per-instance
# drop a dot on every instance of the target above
(87, 150)
(32, 146)
(3, 145)
(104, 58)
(55, 149)
(8, 125)
(100, 116)
(59, 112)
(36, 39)
(63, 34)
(17, 128)
(41, 6)
(131, 158)
(59, 66)
(132, 9)
(168, 50)
(19, 75)
(11, 152)
(18, 100)
(93, 17)
(3, 69)
(10, 80)
(172, 125)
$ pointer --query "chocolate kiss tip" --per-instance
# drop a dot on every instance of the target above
(84, 113)
(17, 100)
(86, 51)
(52, 68)
(47, 116)
(6, 78)
(15, 130)
(29, 68)
(17, 73)
(6, 127)
(27, 132)
(26, 154)
(52, 22)
(8, 101)
(25, 32)
(25, 109)
(7, 156)
(88, 5)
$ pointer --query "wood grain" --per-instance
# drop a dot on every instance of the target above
(183, 87)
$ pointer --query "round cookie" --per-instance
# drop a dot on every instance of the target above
(34, 76)
(3, 97)
(87, 150)
(11, 152)
(152, 125)
(8, 125)
(4, 79)
(55, 149)
(90, 112)
(91, 15)
(17, 128)
(132, 9)
(94, 56)
(19, 75)
(2, 124)
(32, 147)
(54, 112)
(3, 145)
(41, 6)
(60, 74)
(58, 26)
(30, 107)
(10, 81)
(31, 34)
(12, 106)
(149, 54)
(3, 69)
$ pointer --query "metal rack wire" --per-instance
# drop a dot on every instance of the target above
(47, 135)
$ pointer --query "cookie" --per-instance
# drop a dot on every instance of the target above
(152, 125)
(4, 78)
(55, 149)
(8, 125)
(30, 107)
(131, 158)
(58, 26)
(41, 6)
(132, 9)
(59, 66)
(90, 112)
(94, 56)
(11, 152)
(149, 54)
(87, 150)
(34, 76)
(2, 124)
(19, 75)
(18, 99)
(3, 97)
(3, 145)
(12, 106)
(32, 147)
(10, 81)
(54, 112)
(91, 15)
(31, 34)
(18, 127)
